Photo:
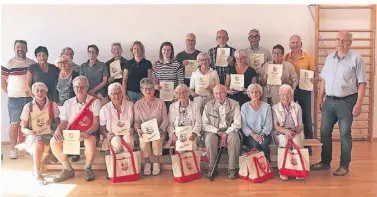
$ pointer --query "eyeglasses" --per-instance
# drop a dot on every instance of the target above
(80, 87)
(148, 89)
(63, 62)
(341, 40)
(92, 51)
(277, 53)
(188, 40)
(253, 37)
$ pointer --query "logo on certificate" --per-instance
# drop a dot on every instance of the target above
(274, 69)
(114, 70)
(306, 75)
(237, 78)
(182, 138)
(40, 122)
(222, 52)
(70, 136)
(149, 130)
(120, 124)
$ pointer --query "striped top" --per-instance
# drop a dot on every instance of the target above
(15, 73)
(170, 72)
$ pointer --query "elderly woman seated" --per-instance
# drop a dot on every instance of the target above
(40, 129)
(116, 118)
(256, 121)
(78, 113)
(184, 113)
(287, 117)
(148, 108)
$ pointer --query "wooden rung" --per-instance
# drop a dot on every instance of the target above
(354, 39)
(362, 55)
(349, 30)
(352, 47)
(322, 63)
(343, 7)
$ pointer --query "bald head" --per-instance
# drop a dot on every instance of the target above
(190, 41)
(343, 41)
(295, 43)
(219, 92)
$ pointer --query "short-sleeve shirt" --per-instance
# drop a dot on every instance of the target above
(306, 62)
(95, 73)
(26, 111)
(49, 78)
(72, 108)
(136, 72)
(123, 63)
(108, 114)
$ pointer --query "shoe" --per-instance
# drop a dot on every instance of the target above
(232, 174)
(89, 174)
(320, 166)
(156, 169)
(40, 180)
(300, 178)
(341, 171)
(147, 169)
(13, 154)
(75, 158)
(64, 175)
(283, 178)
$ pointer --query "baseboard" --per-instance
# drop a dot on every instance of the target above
(5, 143)
(374, 139)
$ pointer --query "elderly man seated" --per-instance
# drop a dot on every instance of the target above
(221, 123)
(287, 116)
(78, 113)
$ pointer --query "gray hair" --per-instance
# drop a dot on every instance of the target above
(38, 85)
(146, 81)
(254, 86)
(64, 58)
(285, 86)
(202, 55)
(80, 78)
(180, 86)
(237, 53)
(113, 86)
(67, 48)
(117, 44)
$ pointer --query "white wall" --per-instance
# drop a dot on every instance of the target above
(57, 26)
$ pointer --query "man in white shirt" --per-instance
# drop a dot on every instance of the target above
(13, 82)
(221, 123)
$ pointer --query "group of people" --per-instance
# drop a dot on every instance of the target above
(89, 99)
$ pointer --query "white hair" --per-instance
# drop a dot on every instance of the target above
(113, 86)
(237, 53)
(38, 85)
(202, 55)
(180, 86)
(146, 81)
(252, 87)
(63, 58)
(285, 86)
(80, 78)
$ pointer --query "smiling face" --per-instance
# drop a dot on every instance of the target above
(295, 43)
(222, 38)
(137, 51)
(254, 38)
(343, 41)
(190, 41)
(219, 92)
(40, 94)
(116, 50)
(42, 57)
(80, 88)
(285, 96)
(148, 90)
(20, 50)
(182, 95)
(92, 53)
(166, 51)
(277, 55)
(116, 96)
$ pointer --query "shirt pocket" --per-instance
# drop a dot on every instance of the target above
(346, 71)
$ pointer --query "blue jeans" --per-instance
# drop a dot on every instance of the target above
(337, 110)
(264, 146)
(15, 107)
(134, 96)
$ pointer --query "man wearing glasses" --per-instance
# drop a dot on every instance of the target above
(344, 81)
(13, 82)
(256, 55)
(190, 53)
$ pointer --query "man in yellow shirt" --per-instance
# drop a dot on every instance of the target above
(302, 60)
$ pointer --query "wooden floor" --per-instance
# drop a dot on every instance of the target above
(17, 180)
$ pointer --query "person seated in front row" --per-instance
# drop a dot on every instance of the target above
(287, 116)
(117, 118)
(78, 113)
(40, 140)
(256, 121)
(221, 123)
(184, 113)
(148, 108)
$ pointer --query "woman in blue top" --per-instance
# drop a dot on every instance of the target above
(256, 121)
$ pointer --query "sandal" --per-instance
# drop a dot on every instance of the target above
(320, 166)
(341, 171)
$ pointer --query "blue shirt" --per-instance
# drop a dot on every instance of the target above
(343, 75)
(257, 122)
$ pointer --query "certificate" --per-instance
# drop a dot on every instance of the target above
(183, 143)
(115, 70)
(201, 85)
(120, 127)
(190, 68)
(256, 60)
(71, 143)
(39, 123)
(167, 90)
(305, 76)
(237, 82)
(150, 130)
(221, 57)
(274, 72)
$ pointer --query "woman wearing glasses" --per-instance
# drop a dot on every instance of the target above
(66, 76)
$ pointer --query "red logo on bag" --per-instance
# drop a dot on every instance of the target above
(293, 161)
(263, 164)
(188, 165)
(85, 121)
(125, 166)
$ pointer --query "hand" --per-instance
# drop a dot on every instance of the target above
(109, 136)
(230, 60)
(298, 130)
(320, 104)
(258, 138)
(58, 136)
(223, 137)
(174, 137)
(185, 62)
(194, 95)
(84, 135)
(92, 92)
(356, 110)
(157, 87)
(314, 80)
(289, 134)
(193, 136)
(140, 132)
(162, 135)
(111, 79)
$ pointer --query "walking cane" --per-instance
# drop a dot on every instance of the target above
(218, 156)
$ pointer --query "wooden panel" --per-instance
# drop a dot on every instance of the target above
(350, 30)
(344, 7)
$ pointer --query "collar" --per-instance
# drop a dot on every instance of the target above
(34, 102)
(346, 56)
(254, 50)
(122, 106)
(282, 108)
(122, 59)
(87, 63)
(219, 104)
(226, 46)
(85, 102)
(303, 55)
(134, 61)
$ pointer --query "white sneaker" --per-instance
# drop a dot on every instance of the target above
(13, 154)
(156, 168)
(147, 169)
(283, 178)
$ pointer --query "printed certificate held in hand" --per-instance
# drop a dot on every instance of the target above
(183, 143)
(150, 130)
(39, 123)
(120, 127)
(115, 70)
(71, 142)
(274, 72)
(222, 56)
(305, 76)
(190, 68)
(237, 82)
(201, 85)
(256, 60)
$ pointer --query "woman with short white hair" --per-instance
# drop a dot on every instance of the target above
(256, 120)
(116, 119)
(287, 116)
(66, 76)
(182, 113)
(46, 116)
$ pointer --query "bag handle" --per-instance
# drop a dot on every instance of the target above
(295, 146)
(251, 151)
(259, 166)
(181, 165)
(114, 158)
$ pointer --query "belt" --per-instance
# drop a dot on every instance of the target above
(341, 98)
